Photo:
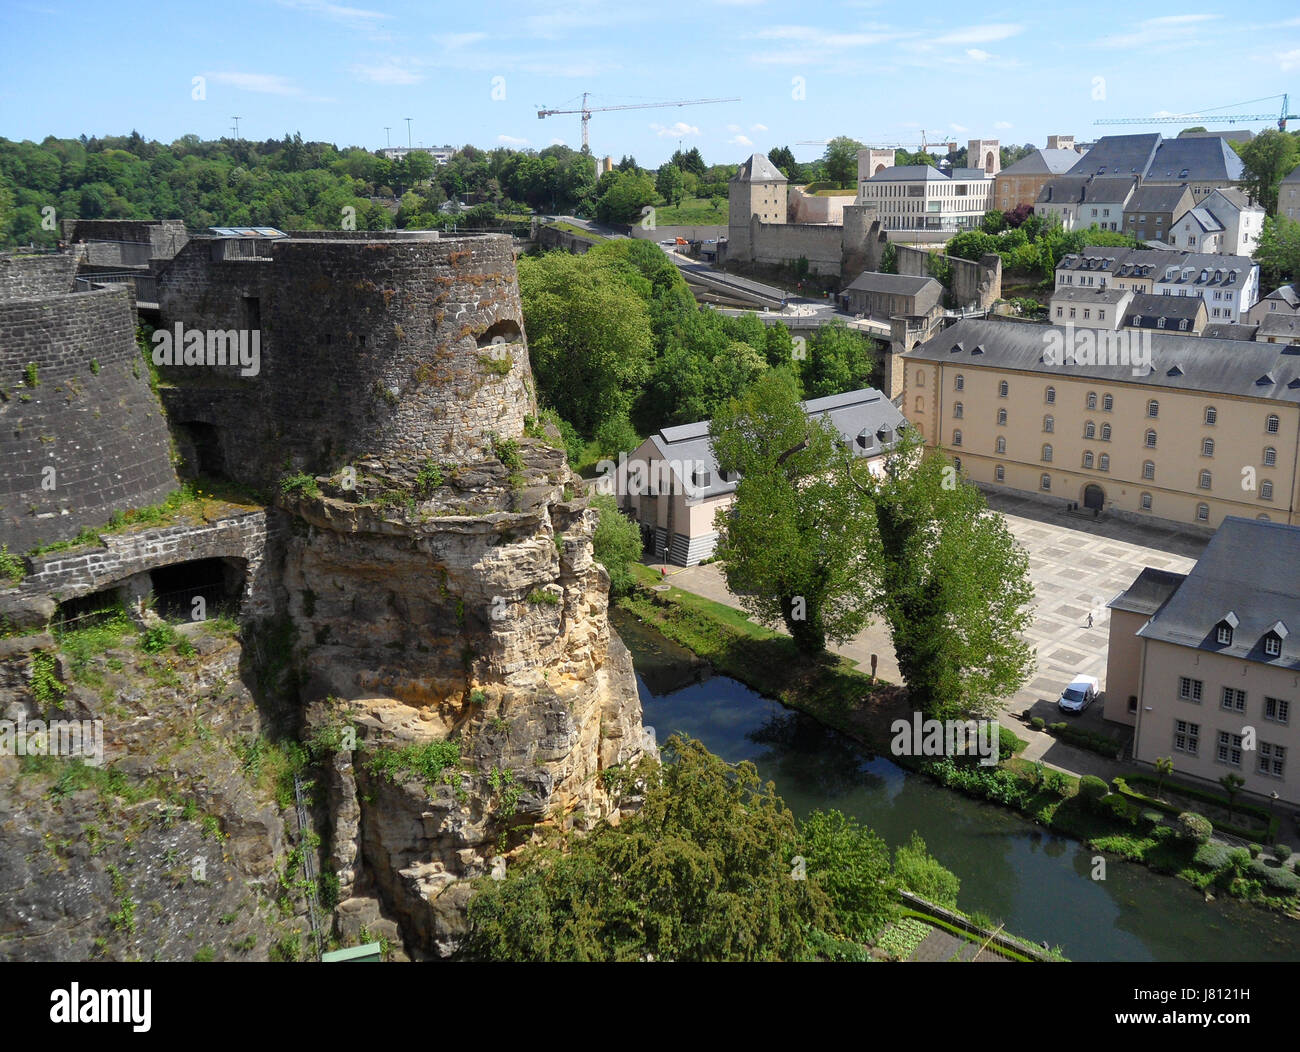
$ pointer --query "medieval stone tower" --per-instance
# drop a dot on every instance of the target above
(757, 189)
(985, 154)
(873, 162)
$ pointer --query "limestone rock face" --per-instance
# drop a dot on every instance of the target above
(472, 611)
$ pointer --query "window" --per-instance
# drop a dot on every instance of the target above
(956, 463)
(956, 438)
(1047, 454)
(1049, 424)
(1151, 440)
(1107, 403)
(1272, 424)
(1233, 700)
(1277, 710)
(1153, 408)
(1146, 502)
(1103, 462)
(1045, 483)
(1049, 396)
(1189, 689)
(1272, 759)
(1092, 399)
(1229, 749)
(1002, 417)
(920, 378)
(1187, 737)
(1087, 459)
(1266, 490)
(1002, 389)
(1105, 432)
(1148, 469)
(956, 410)
(920, 404)
(1000, 473)
(1270, 457)
(1207, 447)
(1202, 513)
(959, 382)
(1205, 480)
(1001, 445)
(1089, 430)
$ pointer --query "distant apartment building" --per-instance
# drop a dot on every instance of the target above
(1094, 308)
(1205, 666)
(1283, 300)
(440, 154)
(1143, 425)
(1020, 184)
(919, 197)
(1229, 284)
(1151, 212)
(1080, 202)
(1227, 221)
(884, 296)
(1166, 314)
(1288, 195)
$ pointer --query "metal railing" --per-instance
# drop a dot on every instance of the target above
(308, 862)
(146, 286)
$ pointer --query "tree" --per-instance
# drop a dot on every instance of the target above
(616, 435)
(839, 360)
(1232, 784)
(792, 543)
(628, 194)
(994, 222)
(851, 864)
(1279, 251)
(889, 259)
(922, 874)
(690, 161)
(841, 160)
(1197, 128)
(971, 244)
(783, 158)
(1164, 768)
(589, 336)
(953, 584)
(1266, 159)
(616, 543)
(668, 183)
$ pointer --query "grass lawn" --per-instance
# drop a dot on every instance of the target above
(579, 231)
(693, 211)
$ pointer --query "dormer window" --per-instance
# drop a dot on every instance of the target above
(1223, 631)
(1273, 639)
(701, 477)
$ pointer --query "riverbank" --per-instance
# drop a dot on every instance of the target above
(840, 696)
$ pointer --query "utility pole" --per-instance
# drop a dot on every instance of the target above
(236, 120)
(408, 133)
(387, 138)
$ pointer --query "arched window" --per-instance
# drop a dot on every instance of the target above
(1266, 490)
(1049, 396)
(1146, 502)
(1202, 513)
(1206, 480)
(1153, 408)
(1003, 388)
(1087, 458)
(1000, 473)
(1092, 399)
(920, 404)
(1151, 440)
(1002, 416)
(920, 378)
(1049, 424)
(1047, 454)
(959, 382)
(1148, 469)
(1001, 444)
(1105, 432)
(1089, 430)
(1045, 482)
(1103, 462)
(1108, 403)
(956, 410)
(956, 438)
(1211, 415)
(956, 463)
(1207, 447)
(1272, 424)
(1270, 457)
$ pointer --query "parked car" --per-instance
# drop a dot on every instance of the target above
(1081, 693)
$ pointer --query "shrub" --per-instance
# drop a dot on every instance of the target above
(1118, 808)
(1282, 851)
(1152, 818)
(428, 478)
(158, 638)
(301, 483)
(1212, 856)
(1239, 859)
(1008, 743)
(1194, 827)
(1255, 850)
(1093, 790)
(1038, 723)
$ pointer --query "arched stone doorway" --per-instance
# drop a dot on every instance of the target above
(1094, 497)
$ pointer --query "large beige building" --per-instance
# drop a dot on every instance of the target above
(1176, 427)
(1206, 667)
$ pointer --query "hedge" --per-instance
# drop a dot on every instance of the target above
(1084, 739)
(1124, 785)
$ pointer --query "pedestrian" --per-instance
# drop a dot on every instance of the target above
(1090, 619)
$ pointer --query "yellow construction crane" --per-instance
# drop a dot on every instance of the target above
(587, 111)
(1230, 118)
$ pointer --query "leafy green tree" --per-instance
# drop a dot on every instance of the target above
(783, 158)
(839, 360)
(690, 161)
(954, 586)
(971, 244)
(1267, 158)
(1279, 251)
(668, 184)
(841, 160)
(628, 194)
(616, 435)
(589, 336)
(922, 874)
(1164, 768)
(851, 864)
(889, 259)
(616, 544)
(792, 543)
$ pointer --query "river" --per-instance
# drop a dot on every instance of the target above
(1037, 883)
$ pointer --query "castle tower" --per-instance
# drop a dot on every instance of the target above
(984, 153)
(757, 189)
(1060, 142)
(871, 162)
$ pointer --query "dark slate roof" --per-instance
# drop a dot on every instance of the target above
(1151, 309)
(1043, 162)
(1148, 592)
(1155, 199)
(1294, 176)
(908, 173)
(1232, 135)
(1189, 160)
(1222, 330)
(969, 174)
(1107, 190)
(1285, 293)
(1287, 325)
(1251, 570)
(1118, 155)
(865, 414)
(1219, 268)
(1064, 189)
(1178, 361)
(1235, 196)
(758, 169)
(1089, 294)
(892, 284)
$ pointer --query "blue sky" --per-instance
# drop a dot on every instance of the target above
(477, 72)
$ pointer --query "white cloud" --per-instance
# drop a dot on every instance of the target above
(960, 129)
(740, 140)
(980, 34)
(1177, 20)
(733, 127)
(1290, 59)
(357, 18)
(388, 71)
(978, 54)
(262, 83)
(511, 140)
(758, 127)
(1165, 33)
(675, 131)
(1002, 125)
(822, 38)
